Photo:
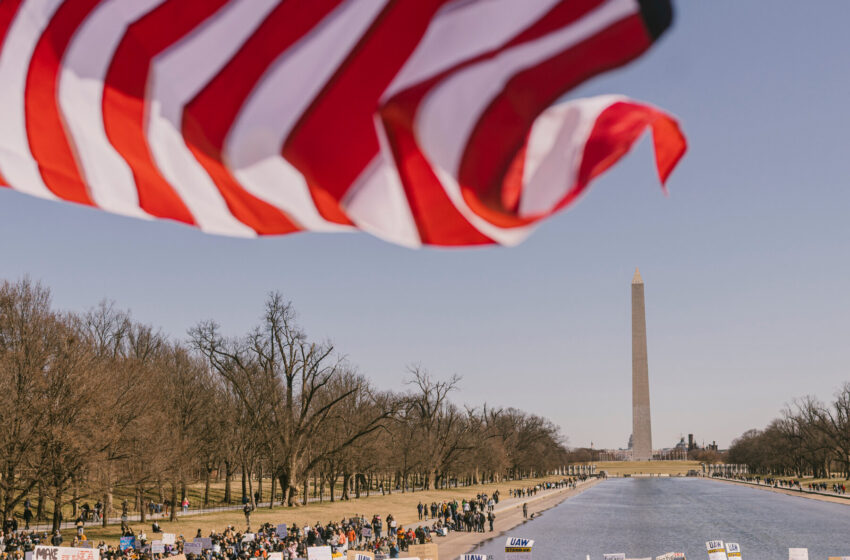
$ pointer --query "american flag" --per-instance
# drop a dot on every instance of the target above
(423, 122)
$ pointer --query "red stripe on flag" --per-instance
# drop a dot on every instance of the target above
(8, 10)
(208, 118)
(503, 128)
(615, 131)
(340, 120)
(48, 139)
(437, 219)
(124, 103)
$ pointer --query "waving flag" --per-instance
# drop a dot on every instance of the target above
(420, 121)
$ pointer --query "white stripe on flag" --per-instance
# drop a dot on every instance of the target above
(84, 67)
(17, 164)
(253, 145)
(178, 75)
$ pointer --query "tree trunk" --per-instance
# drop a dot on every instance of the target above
(304, 493)
(107, 505)
(143, 510)
(173, 515)
(260, 481)
(207, 487)
(346, 480)
(57, 505)
(228, 478)
(274, 488)
(39, 508)
(244, 485)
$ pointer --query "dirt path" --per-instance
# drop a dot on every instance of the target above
(508, 516)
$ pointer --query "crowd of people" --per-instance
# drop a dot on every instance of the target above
(791, 484)
(384, 537)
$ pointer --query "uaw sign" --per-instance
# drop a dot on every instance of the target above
(518, 549)
(733, 551)
(65, 553)
(716, 550)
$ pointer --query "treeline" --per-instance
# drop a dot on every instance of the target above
(810, 438)
(96, 404)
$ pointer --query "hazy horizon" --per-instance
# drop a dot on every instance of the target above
(745, 263)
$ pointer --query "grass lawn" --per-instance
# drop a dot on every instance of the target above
(672, 468)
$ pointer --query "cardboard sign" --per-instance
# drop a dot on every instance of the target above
(716, 550)
(157, 547)
(733, 550)
(65, 553)
(319, 553)
(168, 538)
(193, 547)
(798, 554)
(424, 551)
(126, 543)
(359, 555)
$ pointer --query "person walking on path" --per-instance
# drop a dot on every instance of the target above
(525, 510)
(491, 517)
(419, 508)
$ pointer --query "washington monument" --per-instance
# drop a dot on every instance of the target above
(641, 426)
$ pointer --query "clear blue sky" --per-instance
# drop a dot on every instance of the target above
(746, 264)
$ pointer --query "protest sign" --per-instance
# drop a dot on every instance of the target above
(206, 542)
(65, 553)
(28, 555)
(249, 537)
(518, 548)
(716, 550)
(281, 530)
(177, 557)
(733, 551)
(275, 556)
(798, 554)
(157, 547)
(168, 538)
(193, 547)
(473, 557)
(424, 551)
(319, 553)
(366, 532)
(359, 555)
(617, 556)
(830, 558)
(678, 556)
(126, 543)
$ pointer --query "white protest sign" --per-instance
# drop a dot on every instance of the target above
(157, 547)
(518, 548)
(249, 537)
(678, 556)
(798, 554)
(319, 553)
(733, 550)
(194, 547)
(473, 557)
(65, 553)
(206, 542)
(830, 558)
(366, 532)
(168, 538)
(617, 556)
(359, 555)
(716, 550)
(281, 530)
(275, 555)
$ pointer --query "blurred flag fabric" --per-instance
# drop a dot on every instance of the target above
(423, 122)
